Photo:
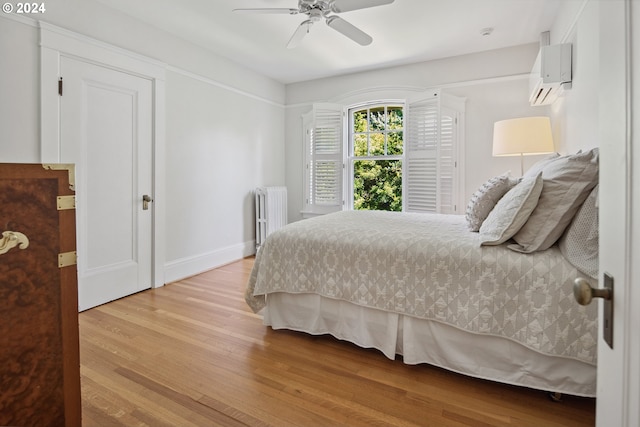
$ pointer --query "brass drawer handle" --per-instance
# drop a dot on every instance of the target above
(11, 239)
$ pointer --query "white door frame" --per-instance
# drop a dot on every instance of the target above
(619, 103)
(55, 43)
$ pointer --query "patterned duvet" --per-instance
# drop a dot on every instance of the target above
(431, 267)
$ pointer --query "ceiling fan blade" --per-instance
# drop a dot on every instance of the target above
(276, 10)
(298, 35)
(347, 29)
(339, 6)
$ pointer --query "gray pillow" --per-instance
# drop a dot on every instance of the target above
(579, 243)
(567, 183)
(486, 197)
(537, 167)
(511, 212)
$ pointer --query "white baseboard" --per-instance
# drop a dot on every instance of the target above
(187, 267)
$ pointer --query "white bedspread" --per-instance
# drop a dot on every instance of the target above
(430, 267)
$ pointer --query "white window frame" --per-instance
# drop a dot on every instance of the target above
(349, 149)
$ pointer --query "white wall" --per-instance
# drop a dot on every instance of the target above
(19, 93)
(221, 146)
(224, 128)
(575, 115)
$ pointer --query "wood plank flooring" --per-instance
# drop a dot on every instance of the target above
(193, 354)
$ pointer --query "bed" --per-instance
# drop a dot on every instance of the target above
(424, 286)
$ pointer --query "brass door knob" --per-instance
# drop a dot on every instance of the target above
(145, 201)
(584, 293)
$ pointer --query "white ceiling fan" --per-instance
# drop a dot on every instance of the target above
(318, 9)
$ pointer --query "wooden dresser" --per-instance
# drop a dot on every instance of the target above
(39, 350)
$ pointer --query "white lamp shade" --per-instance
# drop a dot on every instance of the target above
(522, 136)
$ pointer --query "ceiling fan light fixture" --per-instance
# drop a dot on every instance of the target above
(315, 15)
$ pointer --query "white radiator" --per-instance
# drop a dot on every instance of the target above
(271, 211)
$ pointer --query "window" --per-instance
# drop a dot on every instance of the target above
(376, 135)
(415, 145)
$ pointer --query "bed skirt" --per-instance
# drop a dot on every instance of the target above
(426, 341)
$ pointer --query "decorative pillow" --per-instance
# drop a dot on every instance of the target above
(567, 183)
(579, 244)
(537, 167)
(486, 197)
(511, 212)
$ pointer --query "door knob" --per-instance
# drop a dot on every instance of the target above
(145, 201)
(584, 293)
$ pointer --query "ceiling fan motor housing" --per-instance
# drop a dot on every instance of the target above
(315, 7)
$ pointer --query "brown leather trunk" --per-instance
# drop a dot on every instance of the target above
(39, 350)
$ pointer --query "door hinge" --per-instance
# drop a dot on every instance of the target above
(66, 202)
(66, 259)
(60, 86)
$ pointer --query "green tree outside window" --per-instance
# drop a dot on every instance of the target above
(377, 150)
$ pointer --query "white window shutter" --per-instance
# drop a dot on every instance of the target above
(421, 178)
(447, 161)
(430, 176)
(324, 159)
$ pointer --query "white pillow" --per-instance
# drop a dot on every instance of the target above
(579, 243)
(511, 212)
(486, 197)
(568, 180)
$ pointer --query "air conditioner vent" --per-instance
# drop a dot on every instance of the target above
(551, 74)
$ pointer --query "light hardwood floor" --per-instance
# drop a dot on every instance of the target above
(193, 354)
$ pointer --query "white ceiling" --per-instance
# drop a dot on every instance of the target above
(406, 31)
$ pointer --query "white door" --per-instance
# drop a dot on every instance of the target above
(618, 395)
(106, 130)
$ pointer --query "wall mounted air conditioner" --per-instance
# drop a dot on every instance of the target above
(551, 74)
